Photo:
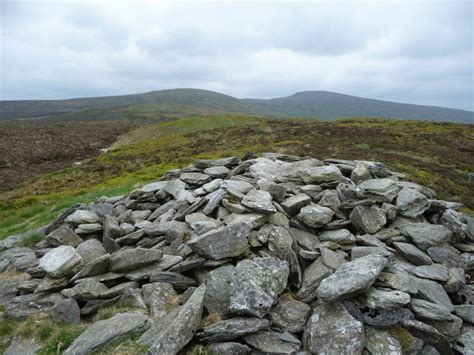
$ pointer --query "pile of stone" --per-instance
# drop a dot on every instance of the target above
(276, 254)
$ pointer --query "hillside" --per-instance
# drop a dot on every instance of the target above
(330, 105)
(185, 102)
(438, 155)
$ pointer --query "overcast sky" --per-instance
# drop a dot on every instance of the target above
(399, 50)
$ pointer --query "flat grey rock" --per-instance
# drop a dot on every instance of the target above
(269, 342)
(158, 296)
(195, 178)
(90, 249)
(218, 282)
(413, 254)
(21, 307)
(340, 236)
(293, 204)
(465, 342)
(380, 341)
(444, 254)
(177, 280)
(85, 290)
(465, 311)
(436, 272)
(233, 328)
(256, 284)
(259, 201)
(312, 277)
(351, 278)
(104, 332)
(321, 174)
(386, 299)
(315, 216)
(382, 190)
(233, 348)
(426, 235)
(129, 259)
(63, 236)
(227, 242)
(368, 219)
(320, 335)
(82, 216)
(171, 335)
(20, 346)
(411, 203)
(290, 315)
(60, 261)
(66, 311)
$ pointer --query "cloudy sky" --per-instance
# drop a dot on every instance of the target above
(417, 52)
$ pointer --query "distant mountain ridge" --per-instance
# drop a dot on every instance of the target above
(308, 104)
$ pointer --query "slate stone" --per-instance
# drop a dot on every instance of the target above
(436, 272)
(381, 342)
(229, 348)
(103, 332)
(269, 342)
(85, 290)
(426, 235)
(320, 335)
(60, 261)
(465, 311)
(444, 254)
(227, 242)
(413, 254)
(351, 278)
(63, 236)
(290, 315)
(381, 190)
(90, 249)
(386, 299)
(81, 216)
(315, 216)
(368, 219)
(259, 201)
(65, 311)
(340, 236)
(21, 307)
(312, 277)
(321, 174)
(293, 204)
(129, 259)
(171, 335)
(233, 328)
(177, 280)
(256, 284)
(411, 203)
(218, 282)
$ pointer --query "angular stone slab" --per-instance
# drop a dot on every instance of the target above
(351, 278)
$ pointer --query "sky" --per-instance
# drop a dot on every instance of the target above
(407, 51)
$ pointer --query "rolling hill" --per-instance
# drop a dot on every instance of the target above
(184, 102)
(331, 105)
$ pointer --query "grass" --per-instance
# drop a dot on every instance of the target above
(52, 338)
(31, 240)
(438, 155)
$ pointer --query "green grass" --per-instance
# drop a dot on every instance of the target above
(437, 155)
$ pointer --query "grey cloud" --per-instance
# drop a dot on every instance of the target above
(418, 52)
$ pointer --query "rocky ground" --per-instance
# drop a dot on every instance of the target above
(278, 254)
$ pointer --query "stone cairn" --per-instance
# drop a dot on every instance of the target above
(277, 255)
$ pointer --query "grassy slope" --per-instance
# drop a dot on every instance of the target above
(438, 155)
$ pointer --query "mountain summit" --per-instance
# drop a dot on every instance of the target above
(309, 104)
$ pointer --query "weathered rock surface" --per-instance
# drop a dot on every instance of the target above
(60, 261)
(351, 278)
(278, 254)
(103, 332)
(332, 330)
